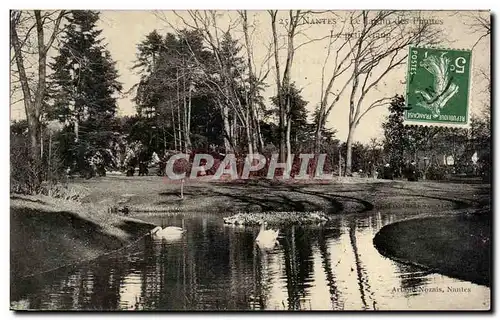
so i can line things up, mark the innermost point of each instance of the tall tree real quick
(225, 74)
(255, 79)
(293, 26)
(283, 84)
(24, 44)
(85, 84)
(395, 138)
(375, 56)
(157, 93)
(300, 128)
(341, 64)
(148, 59)
(172, 84)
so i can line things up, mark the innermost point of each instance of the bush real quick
(435, 172)
(61, 191)
(24, 173)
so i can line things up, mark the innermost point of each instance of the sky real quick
(123, 30)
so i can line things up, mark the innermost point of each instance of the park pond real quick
(331, 266)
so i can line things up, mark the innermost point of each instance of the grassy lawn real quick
(458, 246)
(153, 193)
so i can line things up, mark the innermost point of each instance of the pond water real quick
(214, 267)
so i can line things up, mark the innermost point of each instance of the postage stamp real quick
(438, 82)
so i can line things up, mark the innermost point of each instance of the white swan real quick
(267, 238)
(168, 233)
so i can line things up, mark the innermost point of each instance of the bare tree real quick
(479, 24)
(279, 82)
(234, 110)
(253, 79)
(293, 26)
(341, 63)
(34, 88)
(283, 84)
(381, 46)
(218, 76)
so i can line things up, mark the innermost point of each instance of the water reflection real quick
(219, 267)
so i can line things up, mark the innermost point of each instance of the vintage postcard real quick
(250, 160)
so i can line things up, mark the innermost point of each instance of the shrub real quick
(435, 172)
(61, 191)
(26, 175)
(24, 172)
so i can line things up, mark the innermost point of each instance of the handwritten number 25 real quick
(283, 21)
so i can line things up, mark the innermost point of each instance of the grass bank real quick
(47, 233)
(458, 246)
(156, 194)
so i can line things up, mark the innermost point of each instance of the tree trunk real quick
(286, 83)
(34, 105)
(255, 135)
(251, 136)
(41, 143)
(227, 128)
(164, 140)
(340, 160)
(250, 140)
(76, 129)
(42, 71)
(247, 130)
(179, 126)
(282, 130)
(35, 146)
(318, 136)
(174, 129)
(281, 110)
(352, 122)
(187, 122)
(261, 139)
(32, 108)
(50, 157)
(288, 145)
(348, 158)
(234, 132)
(184, 111)
(321, 118)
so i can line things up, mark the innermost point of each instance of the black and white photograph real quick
(250, 160)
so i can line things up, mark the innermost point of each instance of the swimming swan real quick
(267, 238)
(169, 233)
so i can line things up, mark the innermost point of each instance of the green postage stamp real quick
(438, 82)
